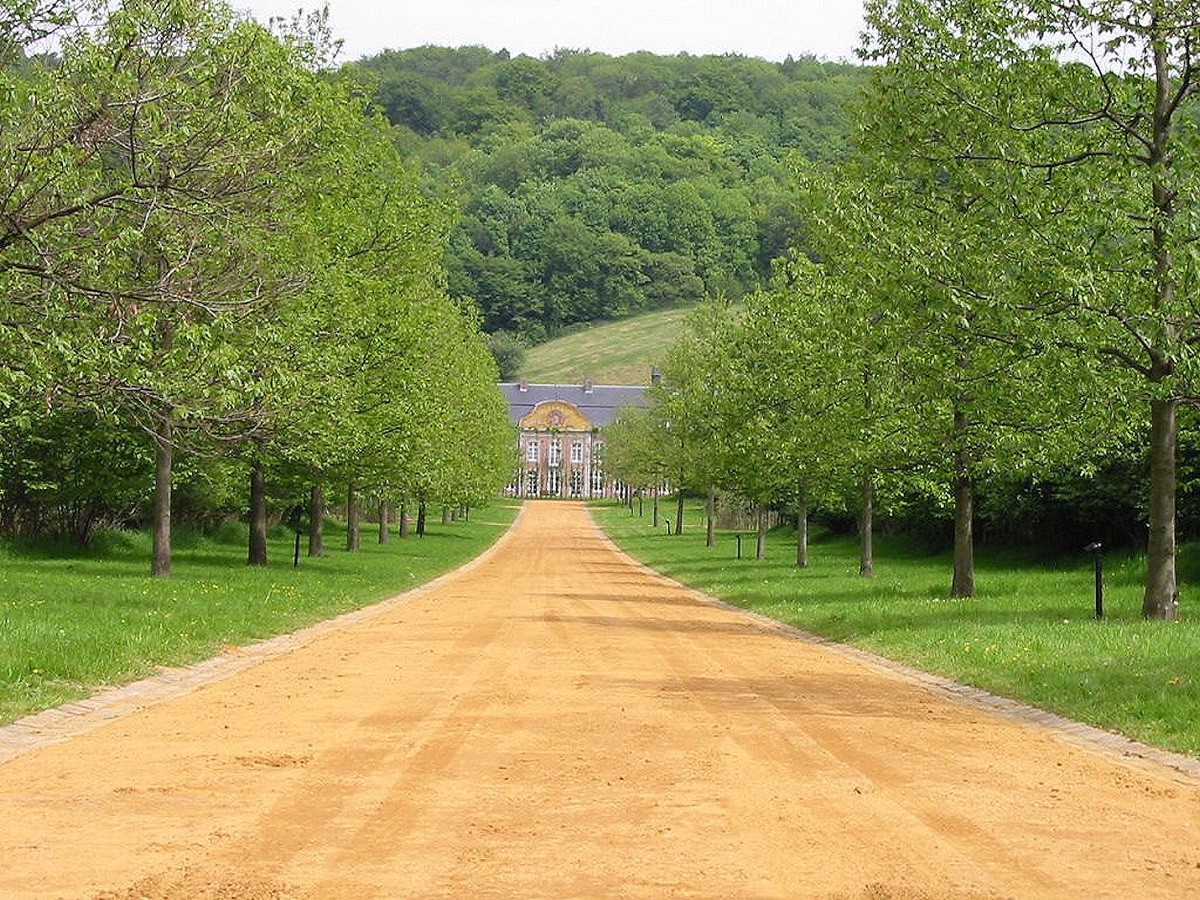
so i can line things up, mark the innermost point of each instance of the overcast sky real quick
(768, 28)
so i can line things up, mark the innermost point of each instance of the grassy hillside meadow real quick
(610, 353)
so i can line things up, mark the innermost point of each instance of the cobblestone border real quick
(1107, 743)
(60, 724)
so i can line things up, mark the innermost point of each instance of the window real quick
(597, 482)
(553, 482)
(577, 452)
(576, 483)
(555, 452)
(531, 483)
(532, 450)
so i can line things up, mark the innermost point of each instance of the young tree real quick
(687, 401)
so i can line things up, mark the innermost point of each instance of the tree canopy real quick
(212, 252)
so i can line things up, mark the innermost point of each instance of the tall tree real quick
(1097, 101)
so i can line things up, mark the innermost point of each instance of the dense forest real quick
(594, 187)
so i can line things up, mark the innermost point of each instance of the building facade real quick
(560, 441)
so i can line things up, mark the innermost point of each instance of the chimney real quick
(656, 375)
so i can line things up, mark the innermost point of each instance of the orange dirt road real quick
(553, 721)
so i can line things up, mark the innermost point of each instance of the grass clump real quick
(1030, 634)
(73, 621)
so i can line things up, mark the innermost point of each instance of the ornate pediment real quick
(556, 415)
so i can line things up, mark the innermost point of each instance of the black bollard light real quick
(1097, 551)
(739, 539)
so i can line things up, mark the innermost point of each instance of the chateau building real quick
(561, 443)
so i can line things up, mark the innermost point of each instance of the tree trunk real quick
(1161, 600)
(802, 533)
(384, 533)
(164, 458)
(421, 518)
(258, 516)
(446, 515)
(316, 524)
(866, 529)
(353, 521)
(403, 519)
(656, 516)
(710, 513)
(679, 509)
(963, 584)
(760, 547)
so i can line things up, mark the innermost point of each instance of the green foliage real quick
(599, 187)
(65, 473)
(211, 245)
(508, 350)
(637, 449)
(1084, 149)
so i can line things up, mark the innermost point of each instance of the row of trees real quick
(596, 187)
(1001, 286)
(212, 254)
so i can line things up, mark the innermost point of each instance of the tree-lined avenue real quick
(556, 721)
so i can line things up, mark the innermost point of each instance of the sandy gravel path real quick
(556, 722)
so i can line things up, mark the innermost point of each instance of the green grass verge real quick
(1030, 634)
(71, 623)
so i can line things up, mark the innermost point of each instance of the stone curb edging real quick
(1089, 737)
(60, 724)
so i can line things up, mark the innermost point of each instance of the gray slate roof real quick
(601, 404)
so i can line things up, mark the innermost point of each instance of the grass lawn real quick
(1030, 634)
(72, 622)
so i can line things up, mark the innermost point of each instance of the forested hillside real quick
(593, 187)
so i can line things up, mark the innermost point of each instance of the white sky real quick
(771, 29)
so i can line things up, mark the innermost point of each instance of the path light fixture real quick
(1097, 550)
(297, 518)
